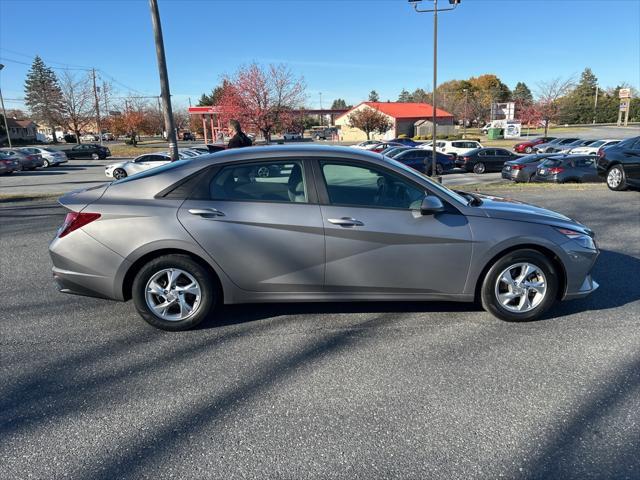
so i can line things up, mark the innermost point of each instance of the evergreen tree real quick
(522, 94)
(43, 95)
(215, 96)
(405, 96)
(339, 104)
(373, 96)
(579, 105)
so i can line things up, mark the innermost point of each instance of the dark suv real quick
(620, 164)
(88, 150)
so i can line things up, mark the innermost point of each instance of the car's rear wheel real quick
(520, 286)
(439, 169)
(528, 150)
(95, 156)
(119, 173)
(616, 178)
(479, 168)
(174, 292)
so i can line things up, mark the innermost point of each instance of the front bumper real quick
(578, 263)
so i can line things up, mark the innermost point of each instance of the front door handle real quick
(206, 212)
(346, 222)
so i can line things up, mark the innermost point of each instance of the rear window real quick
(551, 162)
(153, 171)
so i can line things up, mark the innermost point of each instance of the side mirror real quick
(431, 205)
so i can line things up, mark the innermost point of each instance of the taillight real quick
(556, 170)
(601, 153)
(517, 167)
(76, 220)
(465, 159)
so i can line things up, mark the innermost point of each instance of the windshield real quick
(598, 143)
(434, 185)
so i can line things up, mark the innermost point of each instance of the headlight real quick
(584, 240)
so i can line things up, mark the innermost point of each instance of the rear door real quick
(376, 240)
(266, 233)
(586, 167)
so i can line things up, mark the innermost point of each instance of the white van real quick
(494, 124)
(453, 147)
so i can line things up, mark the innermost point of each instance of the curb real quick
(28, 197)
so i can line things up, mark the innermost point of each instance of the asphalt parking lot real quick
(388, 390)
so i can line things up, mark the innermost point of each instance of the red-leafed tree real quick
(262, 98)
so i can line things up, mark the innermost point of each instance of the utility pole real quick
(106, 102)
(164, 80)
(435, 11)
(95, 94)
(321, 120)
(4, 115)
(595, 106)
(464, 121)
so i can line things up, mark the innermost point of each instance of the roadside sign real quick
(625, 93)
(624, 105)
(512, 130)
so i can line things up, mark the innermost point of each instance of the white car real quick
(49, 156)
(292, 136)
(366, 145)
(453, 147)
(89, 137)
(592, 149)
(143, 162)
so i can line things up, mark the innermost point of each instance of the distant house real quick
(22, 130)
(403, 117)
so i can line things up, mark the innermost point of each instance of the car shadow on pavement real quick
(617, 275)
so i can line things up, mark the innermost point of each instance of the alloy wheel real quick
(521, 287)
(119, 173)
(173, 294)
(614, 178)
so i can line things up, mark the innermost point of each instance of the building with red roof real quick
(404, 118)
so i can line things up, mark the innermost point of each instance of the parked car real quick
(620, 164)
(524, 168)
(483, 160)
(27, 161)
(338, 225)
(394, 150)
(49, 156)
(89, 137)
(88, 150)
(570, 146)
(420, 159)
(592, 148)
(494, 124)
(551, 146)
(292, 136)
(108, 137)
(8, 164)
(209, 147)
(528, 145)
(70, 138)
(141, 163)
(188, 136)
(568, 169)
(406, 141)
(366, 145)
(189, 152)
(384, 145)
(453, 147)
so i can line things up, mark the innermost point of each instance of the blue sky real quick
(341, 48)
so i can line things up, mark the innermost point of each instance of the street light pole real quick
(435, 11)
(4, 113)
(164, 80)
(464, 121)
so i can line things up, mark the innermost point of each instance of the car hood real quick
(509, 209)
(118, 164)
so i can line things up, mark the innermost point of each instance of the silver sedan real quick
(327, 224)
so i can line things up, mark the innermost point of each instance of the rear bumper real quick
(83, 266)
(539, 179)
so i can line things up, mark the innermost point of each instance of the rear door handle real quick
(346, 222)
(206, 212)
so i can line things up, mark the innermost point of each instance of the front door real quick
(378, 242)
(261, 229)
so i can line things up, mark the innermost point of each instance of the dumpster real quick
(494, 133)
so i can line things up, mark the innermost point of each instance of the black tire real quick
(95, 156)
(209, 290)
(479, 168)
(488, 296)
(119, 173)
(528, 150)
(616, 178)
(439, 169)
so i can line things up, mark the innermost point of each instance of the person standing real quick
(238, 137)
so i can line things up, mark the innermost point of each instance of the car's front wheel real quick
(119, 173)
(528, 150)
(45, 163)
(95, 156)
(520, 286)
(174, 292)
(616, 178)
(479, 168)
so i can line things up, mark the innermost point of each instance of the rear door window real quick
(260, 182)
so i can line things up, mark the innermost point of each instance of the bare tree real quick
(549, 95)
(369, 120)
(78, 102)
